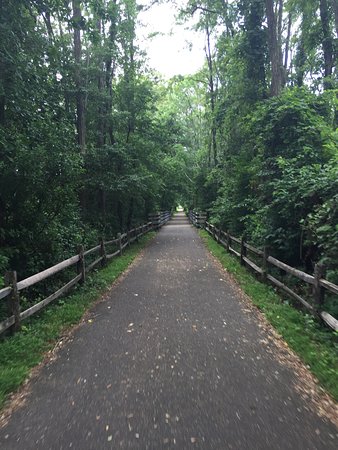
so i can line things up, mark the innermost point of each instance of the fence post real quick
(265, 264)
(103, 253)
(128, 238)
(318, 291)
(243, 251)
(120, 243)
(81, 265)
(202, 219)
(228, 241)
(219, 235)
(13, 300)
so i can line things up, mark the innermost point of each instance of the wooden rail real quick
(317, 281)
(158, 219)
(30, 281)
(197, 218)
(11, 292)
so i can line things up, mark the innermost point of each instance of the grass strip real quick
(315, 345)
(24, 350)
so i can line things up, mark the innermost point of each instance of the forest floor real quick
(176, 356)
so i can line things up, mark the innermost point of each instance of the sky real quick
(174, 50)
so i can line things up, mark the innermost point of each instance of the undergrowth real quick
(24, 350)
(315, 345)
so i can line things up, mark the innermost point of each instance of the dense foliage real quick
(84, 149)
(269, 164)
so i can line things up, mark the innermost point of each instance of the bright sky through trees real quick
(171, 49)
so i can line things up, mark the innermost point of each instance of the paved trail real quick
(172, 360)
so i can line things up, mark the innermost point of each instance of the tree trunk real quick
(110, 69)
(2, 97)
(287, 44)
(130, 213)
(279, 41)
(335, 10)
(119, 212)
(274, 50)
(103, 204)
(46, 19)
(212, 96)
(280, 23)
(300, 62)
(230, 31)
(80, 102)
(327, 43)
(2, 79)
(64, 83)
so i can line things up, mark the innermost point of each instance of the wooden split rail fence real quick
(12, 291)
(198, 218)
(159, 219)
(317, 281)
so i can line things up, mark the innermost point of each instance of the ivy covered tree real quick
(276, 115)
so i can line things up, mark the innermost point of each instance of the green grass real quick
(24, 350)
(315, 345)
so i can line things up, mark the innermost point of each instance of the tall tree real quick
(274, 49)
(335, 10)
(327, 43)
(212, 95)
(254, 48)
(80, 97)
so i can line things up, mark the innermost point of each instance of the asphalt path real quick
(172, 359)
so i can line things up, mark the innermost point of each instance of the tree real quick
(80, 103)
(275, 52)
(254, 49)
(327, 43)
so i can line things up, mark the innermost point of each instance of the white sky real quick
(176, 50)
